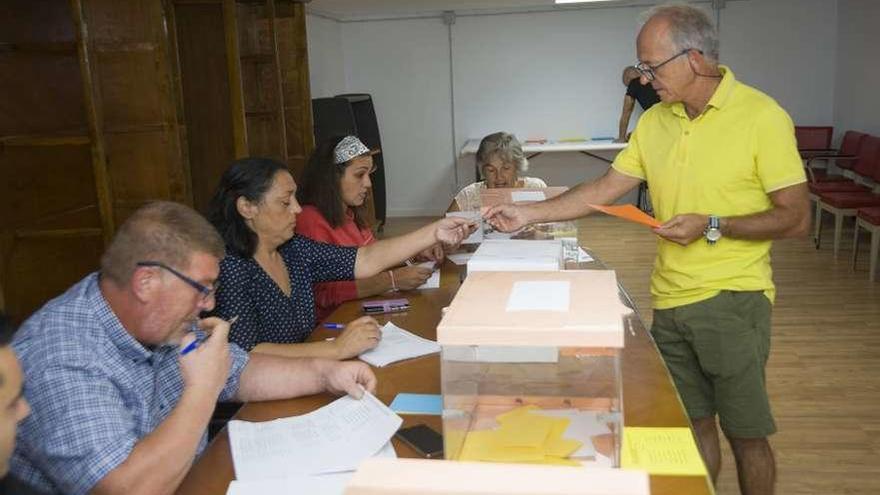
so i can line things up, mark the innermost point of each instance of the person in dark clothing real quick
(635, 92)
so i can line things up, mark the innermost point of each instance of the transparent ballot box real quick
(530, 368)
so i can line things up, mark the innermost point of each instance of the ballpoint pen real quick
(198, 341)
(334, 326)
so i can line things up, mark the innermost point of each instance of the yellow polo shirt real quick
(724, 163)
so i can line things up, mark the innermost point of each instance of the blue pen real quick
(334, 326)
(198, 341)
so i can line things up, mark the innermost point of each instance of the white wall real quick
(856, 104)
(326, 62)
(786, 48)
(551, 74)
(404, 65)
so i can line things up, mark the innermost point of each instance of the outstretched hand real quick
(506, 217)
(451, 231)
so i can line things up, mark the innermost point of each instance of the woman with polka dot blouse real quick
(332, 195)
(267, 275)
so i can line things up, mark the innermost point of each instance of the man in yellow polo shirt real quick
(726, 179)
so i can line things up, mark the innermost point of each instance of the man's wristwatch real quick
(713, 230)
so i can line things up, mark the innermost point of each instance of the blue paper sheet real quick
(417, 404)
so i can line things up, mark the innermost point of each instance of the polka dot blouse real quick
(265, 313)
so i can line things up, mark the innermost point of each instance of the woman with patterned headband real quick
(333, 190)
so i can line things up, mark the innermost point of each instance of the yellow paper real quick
(527, 430)
(561, 447)
(663, 451)
(559, 461)
(503, 453)
(513, 413)
(477, 445)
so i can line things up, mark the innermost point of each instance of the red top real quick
(312, 224)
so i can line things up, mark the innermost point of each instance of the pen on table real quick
(195, 343)
(334, 326)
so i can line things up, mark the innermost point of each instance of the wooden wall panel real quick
(48, 94)
(134, 69)
(264, 138)
(33, 277)
(139, 168)
(205, 88)
(131, 89)
(296, 94)
(36, 21)
(112, 22)
(47, 187)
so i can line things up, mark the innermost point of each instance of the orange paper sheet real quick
(628, 212)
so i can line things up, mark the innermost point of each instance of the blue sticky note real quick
(417, 404)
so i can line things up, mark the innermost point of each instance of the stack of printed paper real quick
(396, 345)
(333, 439)
(517, 256)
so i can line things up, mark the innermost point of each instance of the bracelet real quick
(393, 284)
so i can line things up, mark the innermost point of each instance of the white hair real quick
(690, 27)
(505, 147)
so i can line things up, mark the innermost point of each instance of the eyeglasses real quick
(205, 291)
(649, 71)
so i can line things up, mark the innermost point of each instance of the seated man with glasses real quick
(726, 179)
(122, 374)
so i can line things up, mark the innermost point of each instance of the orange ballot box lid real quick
(502, 195)
(407, 476)
(561, 309)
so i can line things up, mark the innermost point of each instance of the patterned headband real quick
(350, 147)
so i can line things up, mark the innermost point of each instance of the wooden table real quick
(649, 397)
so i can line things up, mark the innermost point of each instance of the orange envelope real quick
(628, 212)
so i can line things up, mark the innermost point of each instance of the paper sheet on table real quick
(663, 451)
(317, 484)
(516, 196)
(396, 345)
(459, 258)
(334, 438)
(477, 236)
(433, 281)
(628, 212)
(539, 296)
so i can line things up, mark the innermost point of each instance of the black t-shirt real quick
(645, 95)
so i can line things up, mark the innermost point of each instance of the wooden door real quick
(55, 216)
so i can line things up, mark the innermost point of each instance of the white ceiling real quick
(357, 9)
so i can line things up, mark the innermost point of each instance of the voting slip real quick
(334, 438)
(313, 484)
(396, 345)
(433, 281)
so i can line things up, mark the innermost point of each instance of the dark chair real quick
(812, 140)
(847, 203)
(843, 159)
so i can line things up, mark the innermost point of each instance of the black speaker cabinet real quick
(354, 114)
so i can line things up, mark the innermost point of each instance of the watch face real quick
(713, 235)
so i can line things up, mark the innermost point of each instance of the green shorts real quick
(716, 351)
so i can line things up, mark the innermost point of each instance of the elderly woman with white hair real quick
(500, 160)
